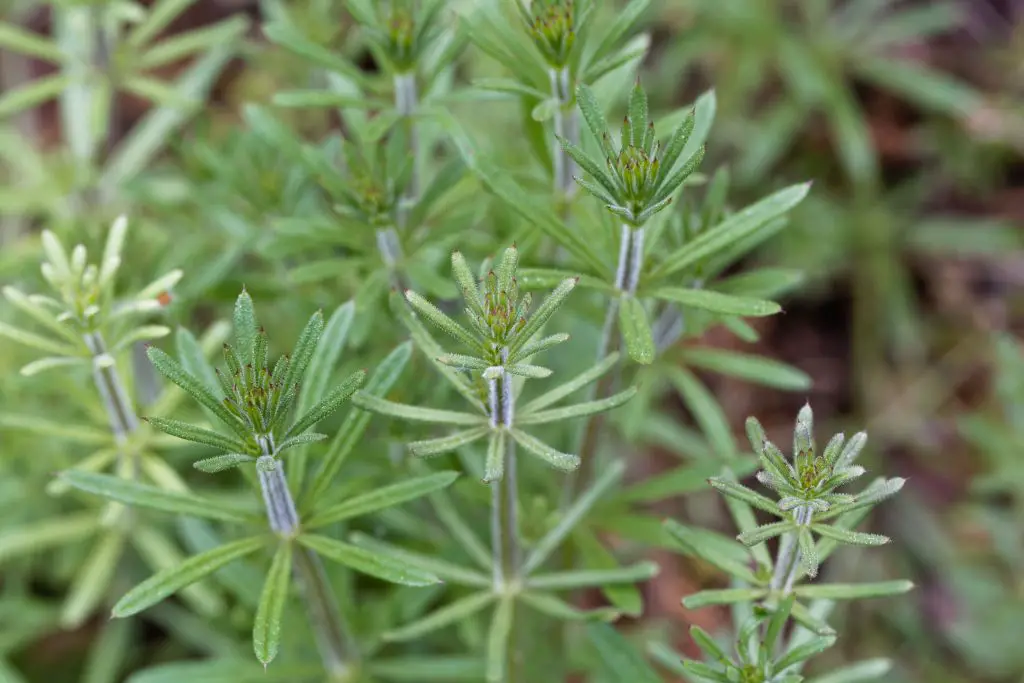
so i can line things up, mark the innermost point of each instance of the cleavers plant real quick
(364, 164)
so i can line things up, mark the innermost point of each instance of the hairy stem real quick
(566, 126)
(505, 510)
(390, 248)
(406, 101)
(787, 564)
(332, 637)
(116, 403)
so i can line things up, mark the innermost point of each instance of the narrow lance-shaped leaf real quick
(568, 521)
(498, 640)
(266, 628)
(847, 536)
(245, 326)
(618, 657)
(367, 562)
(543, 313)
(351, 431)
(578, 410)
(382, 498)
(742, 493)
(173, 371)
(454, 612)
(716, 302)
(562, 461)
(448, 571)
(222, 462)
(416, 413)
(184, 430)
(636, 330)
(305, 347)
(494, 466)
(330, 403)
(143, 495)
(852, 591)
(173, 579)
(441, 320)
(447, 444)
(724, 596)
(572, 386)
(588, 578)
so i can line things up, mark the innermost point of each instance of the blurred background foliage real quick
(908, 115)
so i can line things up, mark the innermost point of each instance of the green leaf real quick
(351, 432)
(536, 320)
(852, 591)
(723, 553)
(705, 409)
(734, 228)
(83, 434)
(548, 604)
(195, 40)
(222, 462)
(717, 302)
(266, 628)
(749, 367)
(569, 519)
(498, 182)
(453, 612)
(608, 190)
(467, 283)
(92, 579)
(325, 356)
(847, 536)
(636, 330)
(497, 640)
(594, 117)
(382, 498)
(441, 320)
(16, 541)
(804, 651)
(742, 493)
(808, 553)
(921, 85)
(618, 658)
(143, 495)
(305, 347)
(448, 571)
(447, 444)
(20, 336)
(377, 565)
(173, 579)
(859, 672)
(173, 371)
(578, 410)
(184, 430)
(289, 38)
(638, 114)
(560, 461)
(158, 17)
(28, 43)
(494, 466)
(589, 578)
(412, 669)
(681, 480)
(572, 386)
(416, 413)
(724, 596)
(765, 532)
(33, 93)
(330, 403)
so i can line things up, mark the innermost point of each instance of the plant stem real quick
(505, 510)
(406, 101)
(118, 406)
(787, 564)
(332, 636)
(566, 126)
(390, 248)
